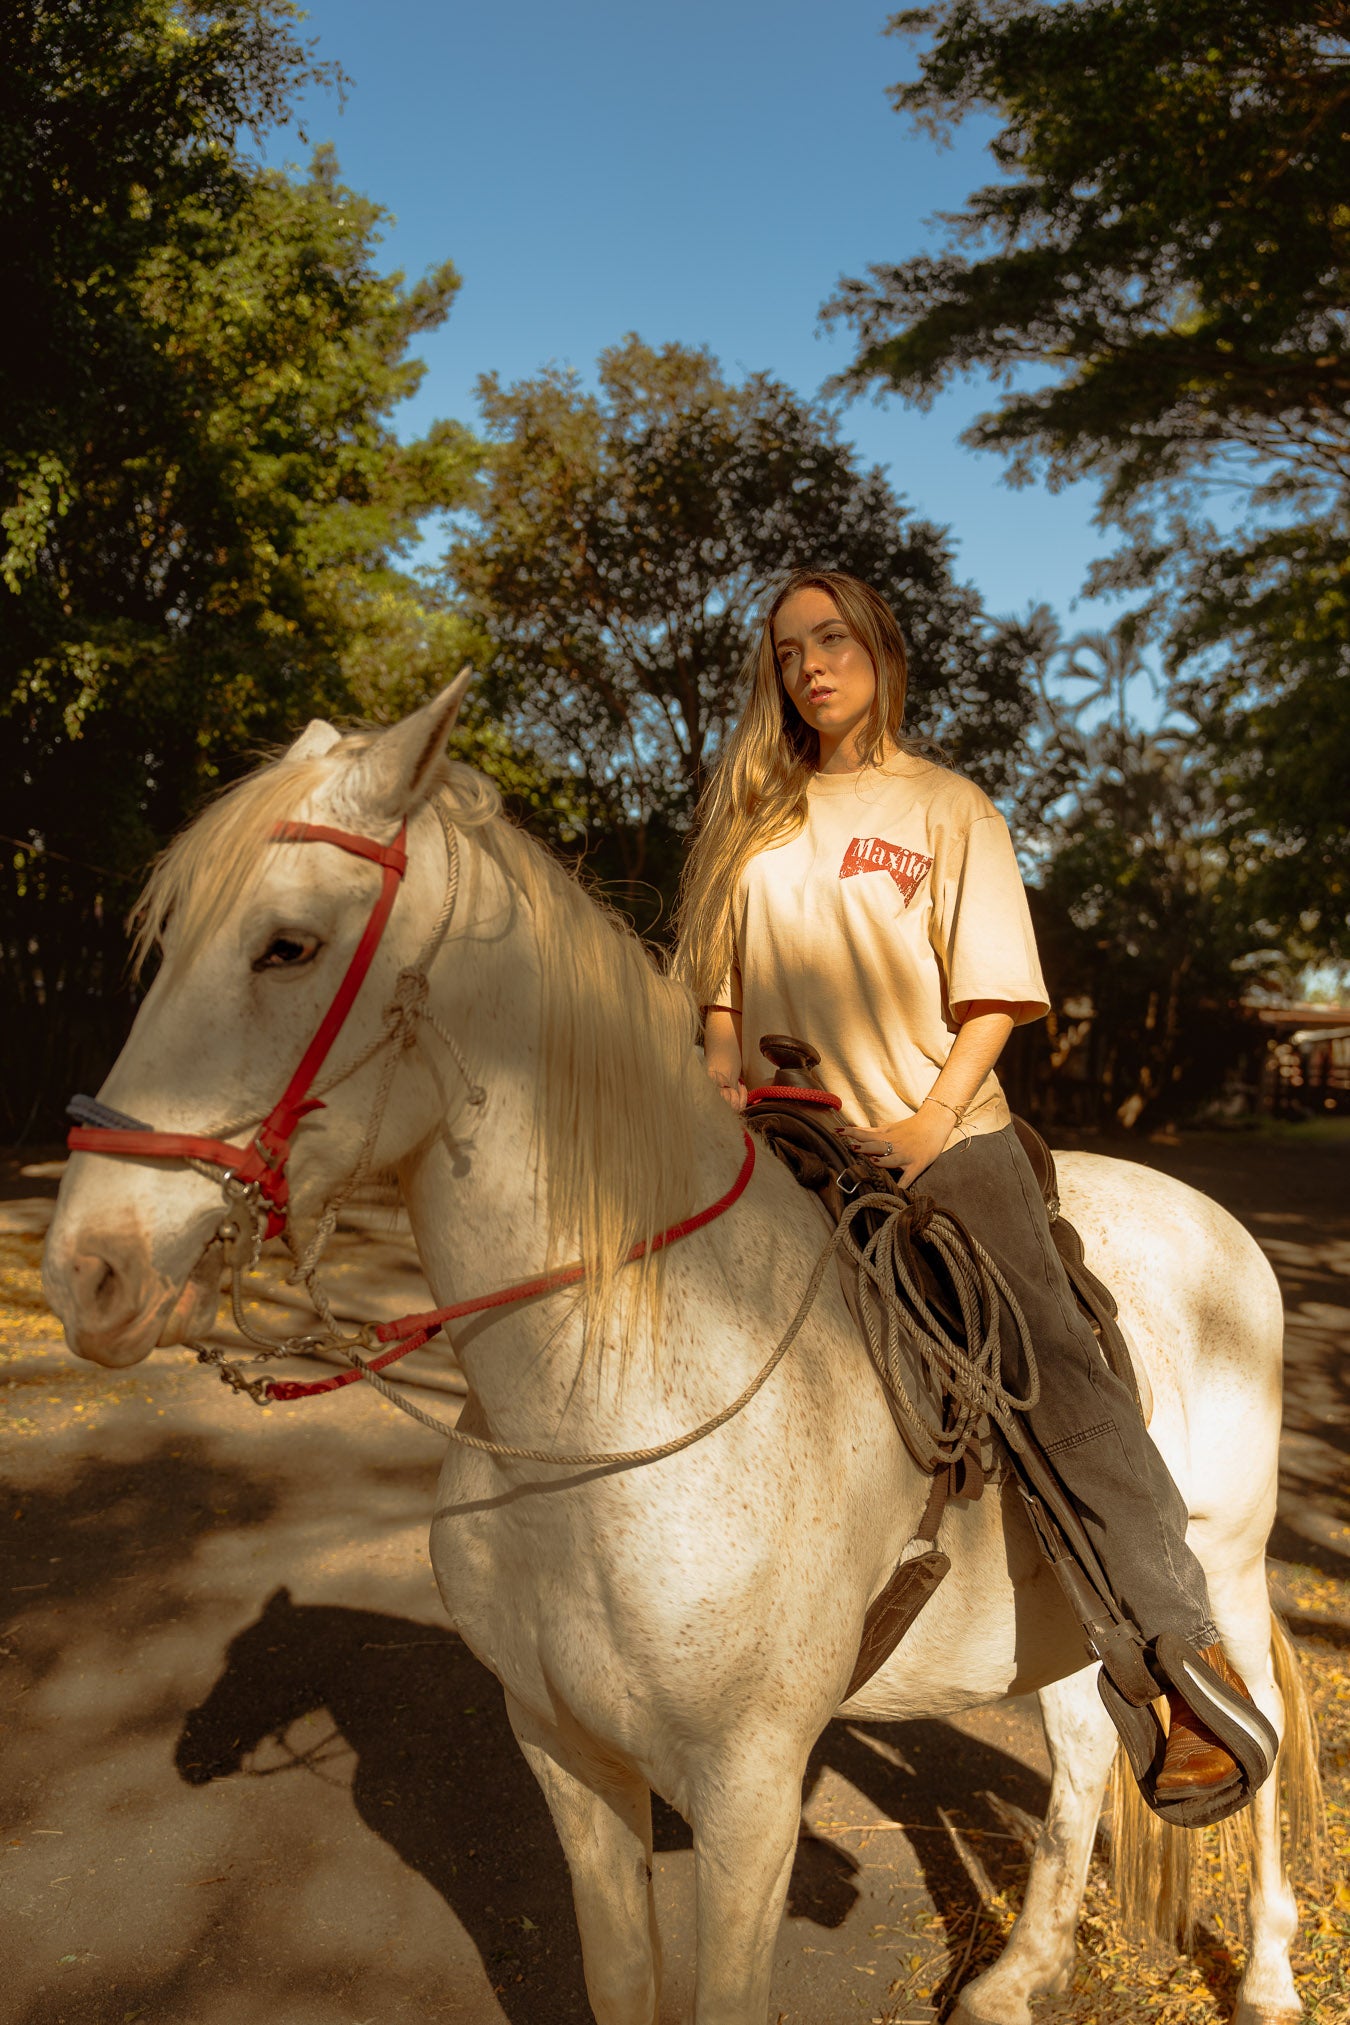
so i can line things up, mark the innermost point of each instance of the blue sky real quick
(697, 172)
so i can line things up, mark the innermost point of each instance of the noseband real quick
(261, 1165)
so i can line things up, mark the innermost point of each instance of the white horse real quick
(687, 1627)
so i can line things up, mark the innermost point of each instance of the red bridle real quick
(263, 1160)
(261, 1165)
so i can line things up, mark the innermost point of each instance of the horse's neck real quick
(479, 1226)
(476, 1191)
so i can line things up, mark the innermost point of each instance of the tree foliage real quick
(1157, 283)
(1170, 234)
(621, 543)
(204, 498)
(1148, 915)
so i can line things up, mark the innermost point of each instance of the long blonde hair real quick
(757, 795)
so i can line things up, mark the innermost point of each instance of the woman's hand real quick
(731, 1087)
(906, 1147)
(722, 1055)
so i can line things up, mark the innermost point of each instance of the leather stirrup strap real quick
(912, 1582)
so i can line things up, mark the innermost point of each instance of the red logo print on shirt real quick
(874, 854)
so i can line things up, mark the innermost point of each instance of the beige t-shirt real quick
(897, 904)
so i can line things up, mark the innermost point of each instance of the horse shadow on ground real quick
(438, 1777)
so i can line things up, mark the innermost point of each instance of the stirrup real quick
(1133, 1675)
(1237, 1723)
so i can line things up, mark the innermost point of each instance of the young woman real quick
(842, 888)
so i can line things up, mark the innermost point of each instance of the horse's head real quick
(271, 1679)
(257, 936)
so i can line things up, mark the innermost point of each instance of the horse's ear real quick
(317, 738)
(396, 770)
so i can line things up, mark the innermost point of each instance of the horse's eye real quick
(287, 952)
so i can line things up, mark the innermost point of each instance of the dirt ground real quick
(250, 1774)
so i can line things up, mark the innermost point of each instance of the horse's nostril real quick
(101, 1288)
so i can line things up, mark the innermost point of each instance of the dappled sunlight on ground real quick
(251, 1774)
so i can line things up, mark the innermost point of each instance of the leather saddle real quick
(1132, 1673)
(802, 1134)
(801, 1131)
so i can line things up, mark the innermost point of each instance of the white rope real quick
(966, 1372)
(972, 1384)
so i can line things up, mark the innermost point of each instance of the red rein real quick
(410, 1332)
(826, 1097)
(263, 1160)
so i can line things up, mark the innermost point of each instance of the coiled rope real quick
(967, 1376)
(965, 1370)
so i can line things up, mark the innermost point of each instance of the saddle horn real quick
(795, 1060)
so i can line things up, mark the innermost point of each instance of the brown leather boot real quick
(1196, 1762)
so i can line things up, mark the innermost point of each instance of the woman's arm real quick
(985, 1027)
(916, 1142)
(722, 1053)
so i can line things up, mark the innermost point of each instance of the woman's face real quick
(825, 671)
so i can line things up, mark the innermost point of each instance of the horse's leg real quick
(745, 1814)
(1266, 1994)
(1038, 1957)
(603, 1815)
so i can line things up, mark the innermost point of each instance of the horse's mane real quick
(209, 867)
(614, 1119)
(614, 1115)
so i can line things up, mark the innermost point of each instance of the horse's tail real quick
(1152, 1868)
(1301, 1793)
(1153, 1865)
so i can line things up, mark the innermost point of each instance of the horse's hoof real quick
(971, 2010)
(1268, 2014)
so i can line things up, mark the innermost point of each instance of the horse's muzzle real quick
(113, 1304)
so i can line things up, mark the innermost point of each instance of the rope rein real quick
(973, 1383)
(965, 1372)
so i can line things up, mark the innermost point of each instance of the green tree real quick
(204, 498)
(1157, 283)
(621, 543)
(1145, 904)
